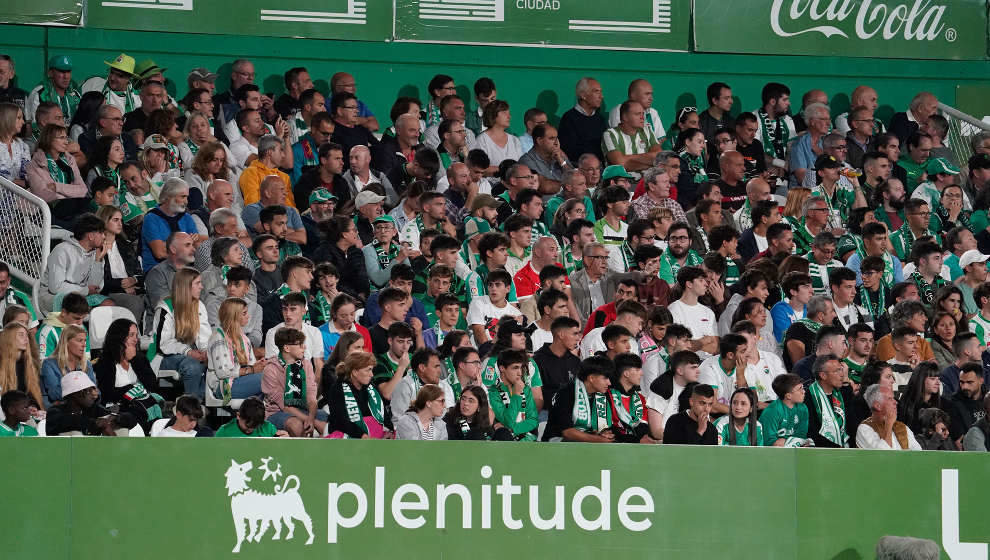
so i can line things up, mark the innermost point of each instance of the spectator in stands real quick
(273, 193)
(360, 175)
(631, 143)
(826, 409)
(53, 175)
(250, 422)
(155, 160)
(72, 311)
(221, 221)
(922, 107)
(305, 150)
(511, 399)
(433, 216)
(582, 126)
(689, 312)
(859, 339)
(740, 426)
(923, 391)
(75, 265)
(271, 156)
(169, 217)
(753, 240)
(348, 131)
(210, 165)
(557, 361)
(469, 418)
(233, 372)
(126, 378)
(10, 296)
(424, 418)
(58, 89)
(238, 285)
(326, 176)
(394, 359)
(453, 142)
(342, 82)
(495, 140)
(401, 277)
(158, 280)
(977, 438)
(289, 386)
(425, 369)
(573, 186)
(357, 409)
(690, 145)
(181, 331)
(785, 421)
(105, 160)
(79, 411)
(188, 414)
(109, 123)
(882, 430)
(18, 365)
(799, 337)
(121, 269)
(693, 426)
(485, 310)
(630, 417)
(15, 406)
(629, 314)
(70, 355)
(340, 248)
(251, 129)
(967, 403)
(447, 311)
(325, 279)
(152, 97)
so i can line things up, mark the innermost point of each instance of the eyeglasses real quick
(597, 257)
(472, 362)
(842, 147)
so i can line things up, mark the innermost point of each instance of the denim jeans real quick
(192, 372)
(246, 386)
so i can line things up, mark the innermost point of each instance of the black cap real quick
(826, 161)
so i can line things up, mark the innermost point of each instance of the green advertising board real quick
(629, 24)
(41, 12)
(924, 29)
(93, 498)
(369, 20)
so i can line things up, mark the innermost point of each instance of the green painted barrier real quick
(41, 12)
(94, 498)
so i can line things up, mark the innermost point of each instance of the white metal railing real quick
(962, 128)
(25, 234)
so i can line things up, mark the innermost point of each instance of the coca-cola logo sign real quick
(864, 19)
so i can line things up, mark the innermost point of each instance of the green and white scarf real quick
(813, 326)
(68, 102)
(126, 95)
(192, 146)
(322, 307)
(876, 310)
(60, 173)
(294, 393)
(629, 418)
(420, 226)
(386, 253)
(926, 291)
(695, 167)
(833, 414)
(581, 415)
(375, 404)
(775, 134)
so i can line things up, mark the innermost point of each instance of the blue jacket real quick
(51, 381)
(373, 313)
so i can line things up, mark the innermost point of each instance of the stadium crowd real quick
(772, 277)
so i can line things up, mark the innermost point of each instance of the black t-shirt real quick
(286, 105)
(798, 331)
(561, 410)
(135, 120)
(379, 339)
(963, 414)
(350, 136)
(555, 371)
(733, 196)
(267, 282)
(683, 429)
(755, 158)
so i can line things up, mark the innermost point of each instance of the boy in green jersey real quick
(785, 421)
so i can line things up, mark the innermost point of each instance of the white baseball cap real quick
(970, 257)
(367, 197)
(75, 381)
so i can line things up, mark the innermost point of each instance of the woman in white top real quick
(125, 377)
(424, 419)
(495, 141)
(181, 331)
(120, 264)
(205, 159)
(154, 157)
(14, 153)
(233, 371)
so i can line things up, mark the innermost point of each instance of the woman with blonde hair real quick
(197, 136)
(18, 369)
(233, 372)
(69, 355)
(182, 331)
(357, 409)
(424, 418)
(14, 152)
(795, 200)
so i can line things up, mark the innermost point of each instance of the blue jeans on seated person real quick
(192, 372)
(281, 416)
(246, 386)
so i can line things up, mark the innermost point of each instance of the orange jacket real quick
(254, 174)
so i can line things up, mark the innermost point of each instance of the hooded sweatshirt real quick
(50, 332)
(70, 269)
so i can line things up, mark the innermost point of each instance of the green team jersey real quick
(903, 239)
(17, 297)
(780, 421)
(551, 206)
(802, 236)
(489, 373)
(819, 273)
(914, 173)
(608, 236)
(669, 267)
(232, 429)
(458, 286)
(731, 272)
(723, 427)
(980, 326)
(430, 306)
(572, 265)
(855, 370)
(48, 336)
(516, 412)
(385, 368)
(477, 285)
(22, 430)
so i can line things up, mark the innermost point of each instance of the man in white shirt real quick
(641, 91)
(725, 372)
(882, 430)
(666, 389)
(629, 314)
(425, 368)
(695, 316)
(293, 309)
(842, 284)
(485, 311)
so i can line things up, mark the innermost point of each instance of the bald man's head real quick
(732, 166)
(757, 189)
(864, 96)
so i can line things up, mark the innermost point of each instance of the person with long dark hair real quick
(470, 418)
(340, 248)
(857, 410)
(740, 426)
(125, 377)
(922, 391)
(943, 329)
(691, 147)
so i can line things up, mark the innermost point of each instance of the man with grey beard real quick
(158, 280)
(169, 217)
(321, 207)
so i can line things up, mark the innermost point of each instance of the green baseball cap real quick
(60, 62)
(614, 171)
(321, 195)
(384, 218)
(941, 165)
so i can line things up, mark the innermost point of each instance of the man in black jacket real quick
(78, 411)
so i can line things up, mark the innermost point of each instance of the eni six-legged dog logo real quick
(255, 511)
